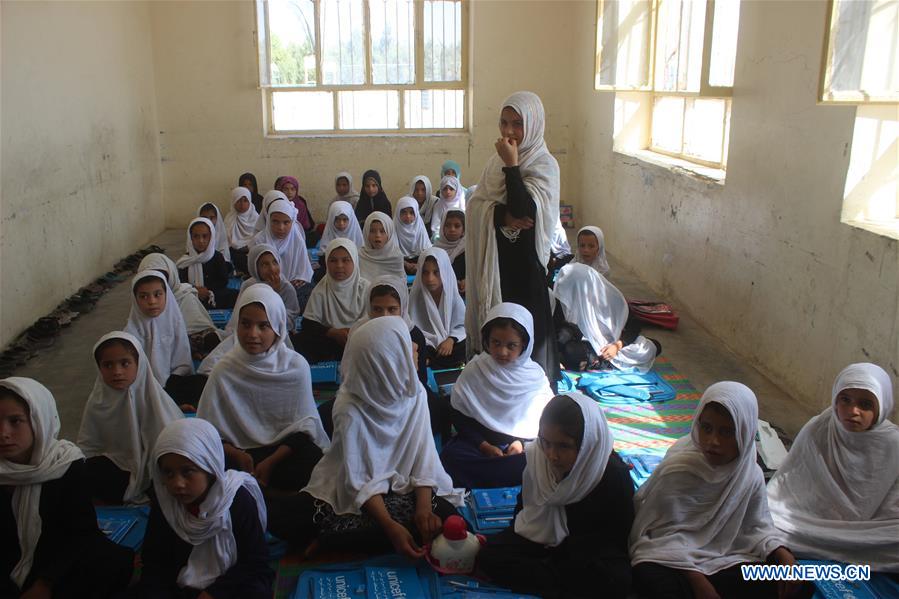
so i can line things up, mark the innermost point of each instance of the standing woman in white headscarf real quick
(704, 512)
(574, 513)
(50, 544)
(381, 483)
(511, 218)
(206, 533)
(836, 496)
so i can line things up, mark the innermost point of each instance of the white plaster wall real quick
(763, 261)
(211, 118)
(80, 156)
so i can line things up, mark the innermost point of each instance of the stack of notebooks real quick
(489, 511)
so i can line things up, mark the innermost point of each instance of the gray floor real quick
(68, 369)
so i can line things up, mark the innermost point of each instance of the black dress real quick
(522, 276)
(215, 278)
(592, 561)
(469, 468)
(314, 343)
(164, 553)
(72, 555)
(367, 205)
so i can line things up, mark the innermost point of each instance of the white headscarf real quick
(599, 263)
(437, 321)
(50, 460)
(560, 245)
(426, 210)
(285, 291)
(506, 399)
(382, 430)
(210, 532)
(386, 261)
(836, 496)
(352, 232)
(267, 199)
(412, 238)
(339, 304)
(540, 173)
(193, 261)
(257, 400)
(600, 311)
(542, 518)
(443, 205)
(352, 196)
(292, 249)
(124, 425)
(691, 515)
(196, 317)
(164, 337)
(219, 231)
(240, 227)
(453, 248)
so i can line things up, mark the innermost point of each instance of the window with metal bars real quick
(363, 66)
(683, 53)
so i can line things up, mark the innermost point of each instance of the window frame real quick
(825, 94)
(706, 91)
(268, 89)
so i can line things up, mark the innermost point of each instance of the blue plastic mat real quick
(124, 525)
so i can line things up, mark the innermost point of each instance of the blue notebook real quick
(387, 583)
(116, 527)
(494, 501)
(325, 372)
(220, 317)
(124, 525)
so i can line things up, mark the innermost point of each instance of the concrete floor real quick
(69, 371)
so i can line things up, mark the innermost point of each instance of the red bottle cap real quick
(454, 528)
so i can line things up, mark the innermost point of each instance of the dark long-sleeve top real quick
(629, 333)
(599, 524)
(472, 431)
(68, 527)
(165, 553)
(366, 205)
(459, 267)
(215, 272)
(313, 342)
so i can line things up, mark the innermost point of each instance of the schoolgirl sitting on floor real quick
(497, 403)
(335, 305)
(259, 398)
(381, 483)
(126, 411)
